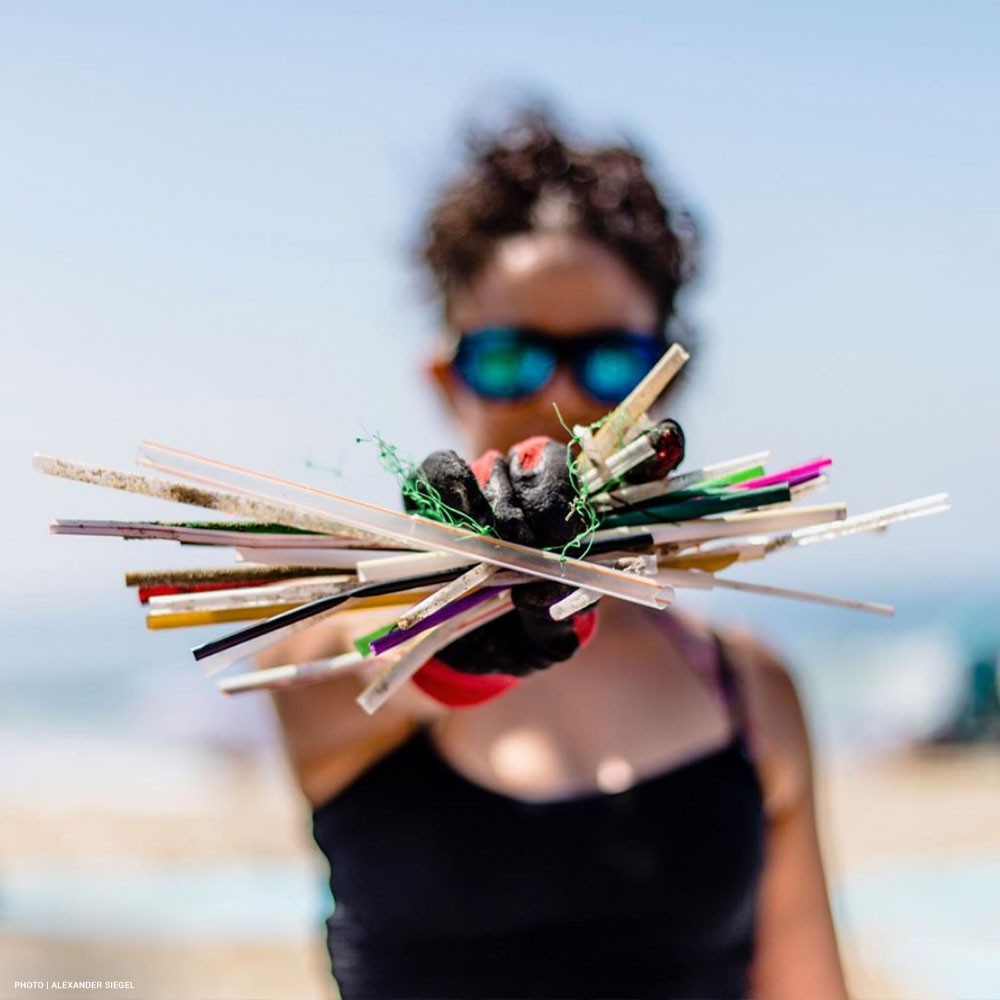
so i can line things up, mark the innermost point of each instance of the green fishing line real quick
(424, 497)
(581, 502)
(332, 469)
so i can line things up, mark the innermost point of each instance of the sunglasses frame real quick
(572, 349)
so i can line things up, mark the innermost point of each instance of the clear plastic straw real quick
(875, 520)
(736, 525)
(288, 592)
(707, 581)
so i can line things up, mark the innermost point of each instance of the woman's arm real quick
(796, 949)
(329, 738)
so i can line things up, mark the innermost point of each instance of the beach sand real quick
(924, 811)
(916, 807)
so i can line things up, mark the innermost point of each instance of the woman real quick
(636, 820)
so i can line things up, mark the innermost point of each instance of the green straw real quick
(701, 506)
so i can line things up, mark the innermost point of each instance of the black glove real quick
(528, 498)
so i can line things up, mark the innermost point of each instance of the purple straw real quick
(394, 638)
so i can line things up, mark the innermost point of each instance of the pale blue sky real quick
(207, 208)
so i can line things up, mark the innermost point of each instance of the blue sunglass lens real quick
(501, 364)
(611, 370)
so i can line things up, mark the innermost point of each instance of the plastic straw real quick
(415, 656)
(797, 474)
(398, 636)
(293, 674)
(209, 651)
(615, 431)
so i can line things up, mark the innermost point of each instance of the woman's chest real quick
(626, 707)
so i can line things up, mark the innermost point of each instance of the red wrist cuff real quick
(457, 689)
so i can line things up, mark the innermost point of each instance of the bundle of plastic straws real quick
(305, 554)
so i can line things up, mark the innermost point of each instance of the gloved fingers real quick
(537, 598)
(455, 483)
(539, 476)
(511, 523)
(555, 641)
(504, 645)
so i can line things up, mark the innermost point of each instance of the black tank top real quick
(444, 889)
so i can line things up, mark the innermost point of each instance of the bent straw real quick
(407, 528)
(415, 656)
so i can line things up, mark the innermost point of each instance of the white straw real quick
(573, 604)
(293, 674)
(707, 528)
(459, 587)
(382, 567)
(286, 592)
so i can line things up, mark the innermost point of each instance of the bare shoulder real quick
(777, 727)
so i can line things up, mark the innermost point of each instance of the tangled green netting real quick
(424, 498)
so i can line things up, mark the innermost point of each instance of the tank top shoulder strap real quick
(732, 692)
(711, 660)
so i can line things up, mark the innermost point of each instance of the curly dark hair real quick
(527, 171)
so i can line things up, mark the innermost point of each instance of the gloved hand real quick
(526, 497)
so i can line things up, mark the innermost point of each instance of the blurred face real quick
(557, 283)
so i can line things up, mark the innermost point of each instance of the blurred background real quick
(208, 216)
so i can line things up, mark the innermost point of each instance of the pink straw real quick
(793, 476)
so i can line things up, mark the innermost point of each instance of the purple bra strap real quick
(711, 662)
